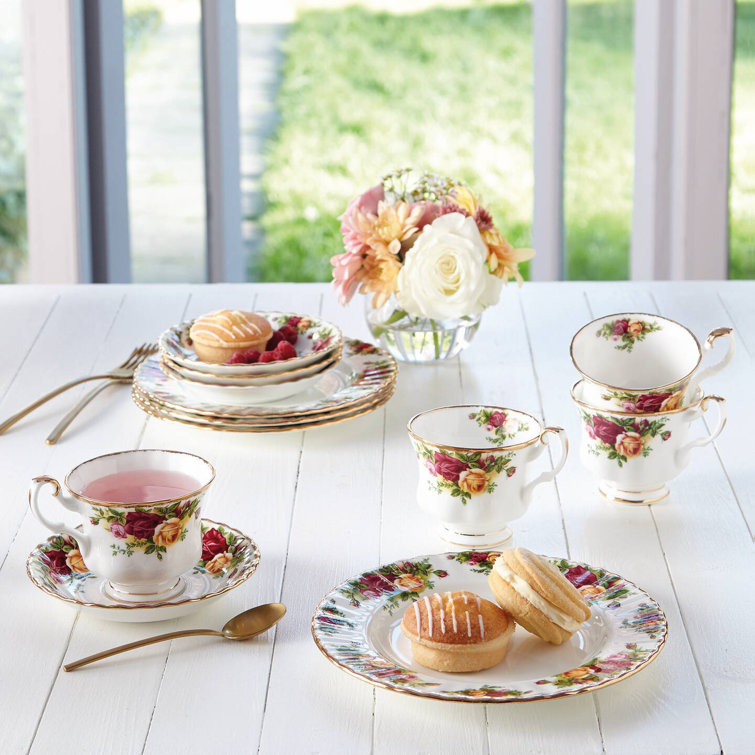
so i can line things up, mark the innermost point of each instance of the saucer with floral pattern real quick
(229, 558)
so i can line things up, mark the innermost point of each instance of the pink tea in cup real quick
(140, 486)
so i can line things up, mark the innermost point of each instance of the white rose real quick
(444, 273)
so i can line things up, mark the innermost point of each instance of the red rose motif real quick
(448, 467)
(118, 530)
(497, 692)
(375, 584)
(441, 574)
(666, 434)
(142, 524)
(497, 419)
(620, 327)
(57, 562)
(651, 402)
(613, 663)
(579, 576)
(511, 471)
(478, 557)
(606, 430)
(641, 426)
(213, 542)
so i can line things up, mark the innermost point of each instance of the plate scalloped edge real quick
(342, 639)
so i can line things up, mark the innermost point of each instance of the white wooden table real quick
(329, 503)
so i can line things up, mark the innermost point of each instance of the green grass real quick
(742, 189)
(450, 90)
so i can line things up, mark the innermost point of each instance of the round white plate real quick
(363, 372)
(357, 627)
(318, 338)
(86, 591)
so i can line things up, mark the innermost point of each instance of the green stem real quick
(436, 339)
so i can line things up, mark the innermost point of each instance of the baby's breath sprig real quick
(408, 185)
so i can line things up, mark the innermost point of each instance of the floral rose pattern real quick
(500, 426)
(145, 529)
(480, 562)
(464, 475)
(644, 403)
(626, 332)
(622, 438)
(401, 582)
(341, 627)
(221, 550)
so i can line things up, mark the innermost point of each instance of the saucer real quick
(357, 627)
(235, 559)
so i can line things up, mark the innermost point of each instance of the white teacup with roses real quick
(473, 463)
(141, 548)
(633, 455)
(642, 363)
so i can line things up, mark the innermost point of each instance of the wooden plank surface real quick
(329, 503)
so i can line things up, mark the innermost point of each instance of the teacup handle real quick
(57, 527)
(710, 341)
(528, 489)
(683, 453)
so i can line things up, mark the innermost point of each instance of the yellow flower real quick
(590, 591)
(75, 562)
(218, 563)
(392, 232)
(503, 259)
(464, 197)
(672, 402)
(473, 480)
(409, 582)
(577, 673)
(167, 532)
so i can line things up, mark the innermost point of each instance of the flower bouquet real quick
(431, 257)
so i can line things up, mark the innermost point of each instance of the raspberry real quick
(289, 334)
(275, 339)
(268, 356)
(244, 357)
(285, 350)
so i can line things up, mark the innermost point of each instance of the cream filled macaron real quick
(217, 336)
(457, 631)
(537, 595)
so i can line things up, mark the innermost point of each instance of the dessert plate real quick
(269, 425)
(245, 395)
(356, 626)
(235, 557)
(363, 372)
(318, 338)
(209, 378)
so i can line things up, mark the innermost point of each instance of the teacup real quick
(642, 363)
(634, 455)
(140, 519)
(473, 463)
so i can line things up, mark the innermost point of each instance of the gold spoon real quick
(243, 626)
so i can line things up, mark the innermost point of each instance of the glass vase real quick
(420, 340)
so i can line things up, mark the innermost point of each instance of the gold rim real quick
(311, 419)
(272, 429)
(164, 502)
(497, 700)
(467, 449)
(129, 607)
(316, 368)
(636, 390)
(188, 323)
(643, 502)
(387, 377)
(694, 405)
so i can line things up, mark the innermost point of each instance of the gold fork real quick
(123, 372)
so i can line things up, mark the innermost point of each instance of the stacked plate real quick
(330, 380)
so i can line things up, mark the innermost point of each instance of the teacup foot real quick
(632, 497)
(124, 596)
(475, 542)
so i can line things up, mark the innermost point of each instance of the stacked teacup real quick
(640, 391)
